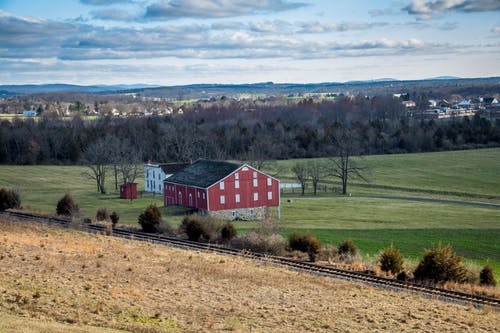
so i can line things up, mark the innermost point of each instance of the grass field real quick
(55, 280)
(372, 223)
(467, 174)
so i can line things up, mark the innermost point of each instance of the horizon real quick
(176, 43)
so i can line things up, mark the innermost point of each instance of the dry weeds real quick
(63, 276)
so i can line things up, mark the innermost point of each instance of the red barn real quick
(222, 189)
(128, 191)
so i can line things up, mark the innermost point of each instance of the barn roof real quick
(203, 173)
(170, 168)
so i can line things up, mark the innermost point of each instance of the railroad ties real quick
(313, 268)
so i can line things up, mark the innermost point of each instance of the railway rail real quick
(328, 271)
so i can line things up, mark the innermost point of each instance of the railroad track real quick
(328, 271)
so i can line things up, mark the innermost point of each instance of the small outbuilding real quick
(128, 191)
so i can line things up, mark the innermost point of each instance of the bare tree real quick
(316, 170)
(343, 166)
(301, 172)
(98, 157)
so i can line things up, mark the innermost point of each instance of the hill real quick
(92, 282)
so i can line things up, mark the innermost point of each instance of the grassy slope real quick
(64, 276)
(371, 223)
(468, 174)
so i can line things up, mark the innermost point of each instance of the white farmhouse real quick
(156, 173)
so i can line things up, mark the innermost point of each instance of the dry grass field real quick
(54, 280)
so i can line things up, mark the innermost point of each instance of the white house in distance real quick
(156, 173)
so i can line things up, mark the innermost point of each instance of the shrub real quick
(9, 199)
(403, 276)
(347, 248)
(67, 206)
(102, 214)
(269, 227)
(267, 244)
(307, 243)
(150, 219)
(227, 232)
(194, 228)
(114, 219)
(440, 264)
(391, 260)
(486, 276)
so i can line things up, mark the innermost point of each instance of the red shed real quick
(226, 190)
(128, 191)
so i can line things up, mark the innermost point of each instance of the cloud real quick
(316, 27)
(426, 9)
(112, 15)
(175, 9)
(27, 38)
(104, 2)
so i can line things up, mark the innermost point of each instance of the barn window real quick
(221, 185)
(251, 211)
(237, 198)
(255, 174)
(255, 196)
(255, 182)
(222, 199)
(269, 181)
(269, 195)
(236, 176)
(203, 194)
(236, 184)
(198, 195)
(233, 214)
(245, 169)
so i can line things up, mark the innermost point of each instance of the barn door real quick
(180, 198)
(190, 200)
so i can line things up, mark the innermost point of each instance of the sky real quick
(177, 42)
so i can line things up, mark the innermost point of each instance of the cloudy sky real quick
(171, 42)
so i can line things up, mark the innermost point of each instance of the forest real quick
(308, 128)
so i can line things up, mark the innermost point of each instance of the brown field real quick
(54, 280)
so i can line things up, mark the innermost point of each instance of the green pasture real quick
(466, 175)
(372, 223)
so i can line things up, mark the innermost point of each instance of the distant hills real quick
(201, 91)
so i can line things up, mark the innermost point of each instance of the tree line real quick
(227, 131)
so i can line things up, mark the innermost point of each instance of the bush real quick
(114, 219)
(440, 264)
(347, 248)
(391, 260)
(9, 199)
(307, 243)
(67, 206)
(486, 276)
(267, 244)
(227, 232)
(150, 219)
(193, 227)
(102, 214)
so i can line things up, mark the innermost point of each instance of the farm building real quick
(226, 190)
(156, 173)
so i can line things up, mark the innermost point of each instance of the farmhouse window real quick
(237, 198)
(269, 195)
(236, 184)
(221, 185)
(222, 199)
(255, 196)
(269, 181)
(255, 182)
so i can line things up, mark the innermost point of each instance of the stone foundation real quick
(243, 214)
